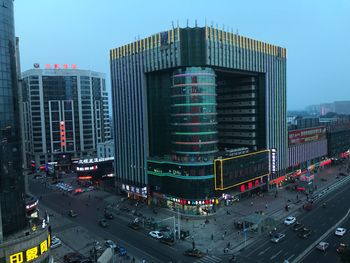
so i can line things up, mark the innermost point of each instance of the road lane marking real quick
(290, 257)
(274, 256)
(262, 252)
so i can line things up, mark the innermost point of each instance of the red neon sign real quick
(85, 177)
(63, 134)
(242, 188)
(250, 185)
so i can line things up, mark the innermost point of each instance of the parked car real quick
(109, 215)
(168, 240)
(156, 234)
(72, 213)
(340, 231)
(55, 242)
(298, 226)
(121, 251)
(322, 246)
(194, 253)
(304, 233)
(290, 220)
(134, 225)
(341, 247)
(276, 238)
(111, 244)
(103, 223)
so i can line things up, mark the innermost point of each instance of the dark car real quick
(109, 215)
(121, 251)
(342, 174)
(341, 247)
(135, 226)
(304, 233)
(72, 213)
(167, 240)
(298, 226)
(103, 223)
(194, 253)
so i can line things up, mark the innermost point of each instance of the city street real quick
(319, 220)
(90, 210)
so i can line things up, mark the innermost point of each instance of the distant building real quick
(105, 149)
(342, 107)
(65, 111)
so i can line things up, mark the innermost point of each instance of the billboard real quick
(302, 136)
(233, 171)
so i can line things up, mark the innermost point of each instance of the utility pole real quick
(178, 220)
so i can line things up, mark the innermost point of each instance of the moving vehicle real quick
(72, 213)
(322, 246)
(290, 220)
(277, 237)
(194, 253)
(341, 247)
(103, 223)
(55, 242)
(340, 231)
(156, 234)
(298, 226)
(111, 244)
(304, 233)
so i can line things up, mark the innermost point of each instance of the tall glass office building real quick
(65, 111)
(182, 98)
(13, 215)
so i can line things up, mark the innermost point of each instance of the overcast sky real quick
(315, 33)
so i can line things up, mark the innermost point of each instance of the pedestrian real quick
(223, 236)
(266, 205)
(228, 244)
(297, 197)
(251, 203)
(212, 237)
(133, 260)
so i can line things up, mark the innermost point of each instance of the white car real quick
(55, 242)
(340, 231)
(156, 234)
(110, 243)
(290, 220)
(322, 246)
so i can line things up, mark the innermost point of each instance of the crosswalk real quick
(208, 259)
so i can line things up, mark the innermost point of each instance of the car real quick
(194, 253)
(277, 237)
(322, 246)
(290, 220)
(111, 244)
(341, 247)
(55, 242)
(156, 234)
(340, 231)
(134, 225)
(304, 233)
(121, 251)
(298, 226)
(167, 240)
(90, 188)
(109, 215)
(72, 213)
(103, 223)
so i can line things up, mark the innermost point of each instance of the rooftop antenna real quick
(172, 24)
(195, 23)
(187, 22)
(177, 23)
(205, 22)
(237, 31)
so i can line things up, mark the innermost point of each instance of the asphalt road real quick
(319, 220)
(137, 242)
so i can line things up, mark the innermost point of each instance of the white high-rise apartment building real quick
(64, 111)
